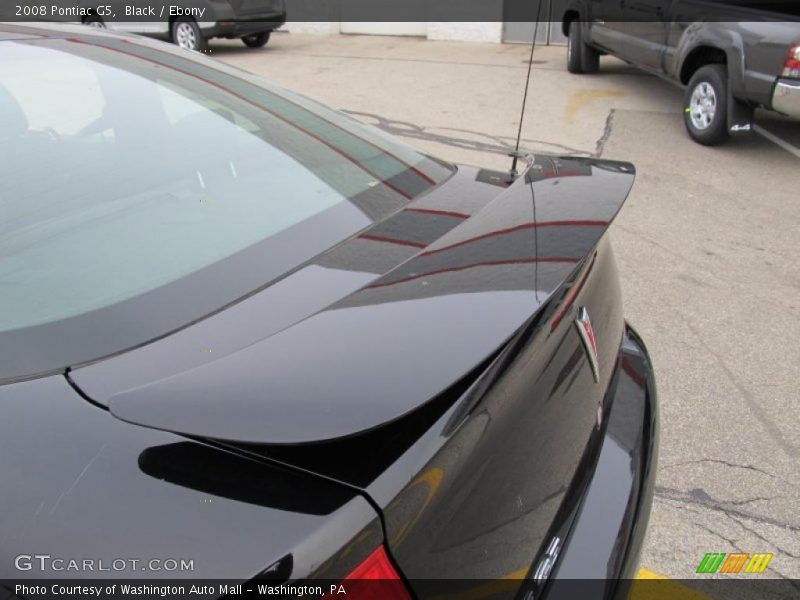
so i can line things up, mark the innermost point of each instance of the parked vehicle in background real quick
(192, 23)
(733, 57)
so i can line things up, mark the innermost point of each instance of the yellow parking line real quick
(581, 98)
(659, 587)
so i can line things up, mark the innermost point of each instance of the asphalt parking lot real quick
(707, 246)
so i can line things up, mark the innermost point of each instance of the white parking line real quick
(777, 141)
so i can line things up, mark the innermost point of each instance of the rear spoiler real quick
(390, 347)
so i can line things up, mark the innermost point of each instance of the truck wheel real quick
(256, 40)
(581, 58)
(706, 105)
(187, 35)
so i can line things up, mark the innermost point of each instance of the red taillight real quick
(375, 566)
(791, 67)
(375, 577)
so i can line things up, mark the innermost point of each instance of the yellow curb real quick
(660, 587)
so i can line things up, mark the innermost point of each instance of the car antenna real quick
(516, 154)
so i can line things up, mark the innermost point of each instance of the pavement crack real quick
(685, 497)
(762, 538)
(727, 464)
(601, 143)
(718, 535)
(748, 501)
(678, 504)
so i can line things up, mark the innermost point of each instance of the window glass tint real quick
(128, 168)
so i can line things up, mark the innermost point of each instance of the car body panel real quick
(598, 520)
(377, 347)
(326, 279)
(786, 97)
(81, 484)
(602, 546)
(519, 437)
(437, 397)
(521, 444)
(646, 31)
(519, 434)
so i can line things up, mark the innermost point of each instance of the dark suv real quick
(191, 23)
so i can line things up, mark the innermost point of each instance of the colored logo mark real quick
(736, 562)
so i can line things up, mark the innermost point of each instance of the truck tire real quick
(581, 58)
(705, 104)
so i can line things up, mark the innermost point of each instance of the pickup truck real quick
(732, 57)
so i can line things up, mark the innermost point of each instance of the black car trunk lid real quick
(452, 295)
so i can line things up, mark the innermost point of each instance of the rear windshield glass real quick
(126, 168)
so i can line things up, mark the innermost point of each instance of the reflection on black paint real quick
(421, 316)
(360, 458)
(278, 571)
(227, 475)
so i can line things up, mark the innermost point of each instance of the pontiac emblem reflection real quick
(584, 325)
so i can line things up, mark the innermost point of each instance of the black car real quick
(189, 23)
(246, 337)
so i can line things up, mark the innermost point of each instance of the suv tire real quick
(256, 40)
(187, 35)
